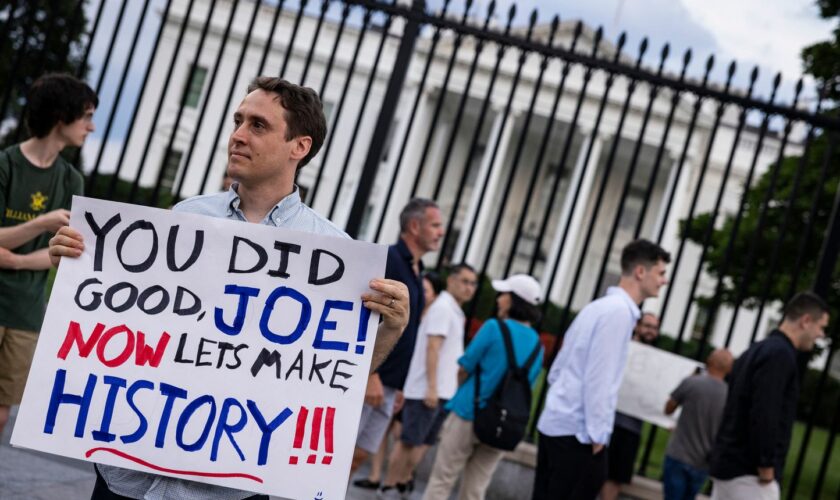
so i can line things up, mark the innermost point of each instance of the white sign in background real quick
(650, 376)
(228, 369)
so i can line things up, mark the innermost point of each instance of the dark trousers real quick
(101, 491)
(567, 469)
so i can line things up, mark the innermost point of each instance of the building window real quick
(170, 166)
(195, 87)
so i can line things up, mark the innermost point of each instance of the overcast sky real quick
(767, 33)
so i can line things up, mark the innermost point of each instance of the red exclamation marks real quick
(328, 435)
(315, 435)
(301, 427)
(318, 416)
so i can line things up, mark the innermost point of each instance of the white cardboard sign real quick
(205, 349)
(650, 376)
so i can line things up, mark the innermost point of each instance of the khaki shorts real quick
(16, 350)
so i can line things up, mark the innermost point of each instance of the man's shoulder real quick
(313, 222)
(204, 204)
(606, 305)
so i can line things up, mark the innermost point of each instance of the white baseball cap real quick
(526, 287)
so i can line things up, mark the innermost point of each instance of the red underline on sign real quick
(172, 471)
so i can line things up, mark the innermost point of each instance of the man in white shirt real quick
(432, 378)
(580, 406)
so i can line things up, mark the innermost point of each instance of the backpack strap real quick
(8, 190)
(526, 367)
(511, 356)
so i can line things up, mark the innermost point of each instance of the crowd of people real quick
(426, 387)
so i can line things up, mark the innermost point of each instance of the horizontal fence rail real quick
(547, 146)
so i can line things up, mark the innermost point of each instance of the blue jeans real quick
(681, 481)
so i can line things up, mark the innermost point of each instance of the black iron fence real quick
(547, 146)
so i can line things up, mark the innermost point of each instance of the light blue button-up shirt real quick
(289, 213)
(586, 374)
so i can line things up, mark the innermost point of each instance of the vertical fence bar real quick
(330, 62)
(217, 66)
(112, 113)
(809, 426)
(325, 6)
(231, 89)
(587, 239)
(104, 72)
(691, 211)
(762, 220)
(523, 55)
(113, 184)
(360, 114)
(433, 124)
(774, 256)
(269, 41)
(145, 150)
(82, 69)
(660, 152)
(686, 145)
(561, 165)
(628, 179)
(291, 45)
(707, 235)
(488, 98)
(595, 128)
(419, 96)
(459, 113)
(730, 245)
(532, 183)
(345, 89)
(383, 122)
(826, 458)
(809, 229)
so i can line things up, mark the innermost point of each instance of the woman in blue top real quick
(458, 449)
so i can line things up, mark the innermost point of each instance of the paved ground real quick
(31, 475)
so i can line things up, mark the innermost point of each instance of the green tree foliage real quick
(37, 37)
(822, 61)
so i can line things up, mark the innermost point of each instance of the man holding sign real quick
(278, 128)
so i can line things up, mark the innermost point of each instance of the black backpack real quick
(501, 424)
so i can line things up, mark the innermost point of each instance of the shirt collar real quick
(405, 253)
(284, 209)
(634, 308)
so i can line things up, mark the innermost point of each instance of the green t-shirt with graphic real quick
(27, 191)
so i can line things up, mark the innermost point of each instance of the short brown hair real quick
(57, 98)
(805, 303)
(642, 252)
(304, 113)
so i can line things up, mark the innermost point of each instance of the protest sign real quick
(205, 349)
(649, 378)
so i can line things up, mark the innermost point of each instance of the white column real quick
(575, 223)
(669, 188)
(399, 196)
(485, 170)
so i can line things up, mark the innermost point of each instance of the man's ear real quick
(639, 271)
(301, 147)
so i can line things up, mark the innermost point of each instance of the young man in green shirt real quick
(36, 188)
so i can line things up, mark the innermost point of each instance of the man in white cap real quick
(577, 420)
(459, 449)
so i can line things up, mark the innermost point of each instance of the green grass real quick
(810, 468)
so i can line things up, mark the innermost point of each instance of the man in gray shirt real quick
(702, 398)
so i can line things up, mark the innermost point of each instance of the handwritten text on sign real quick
(205, 349)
